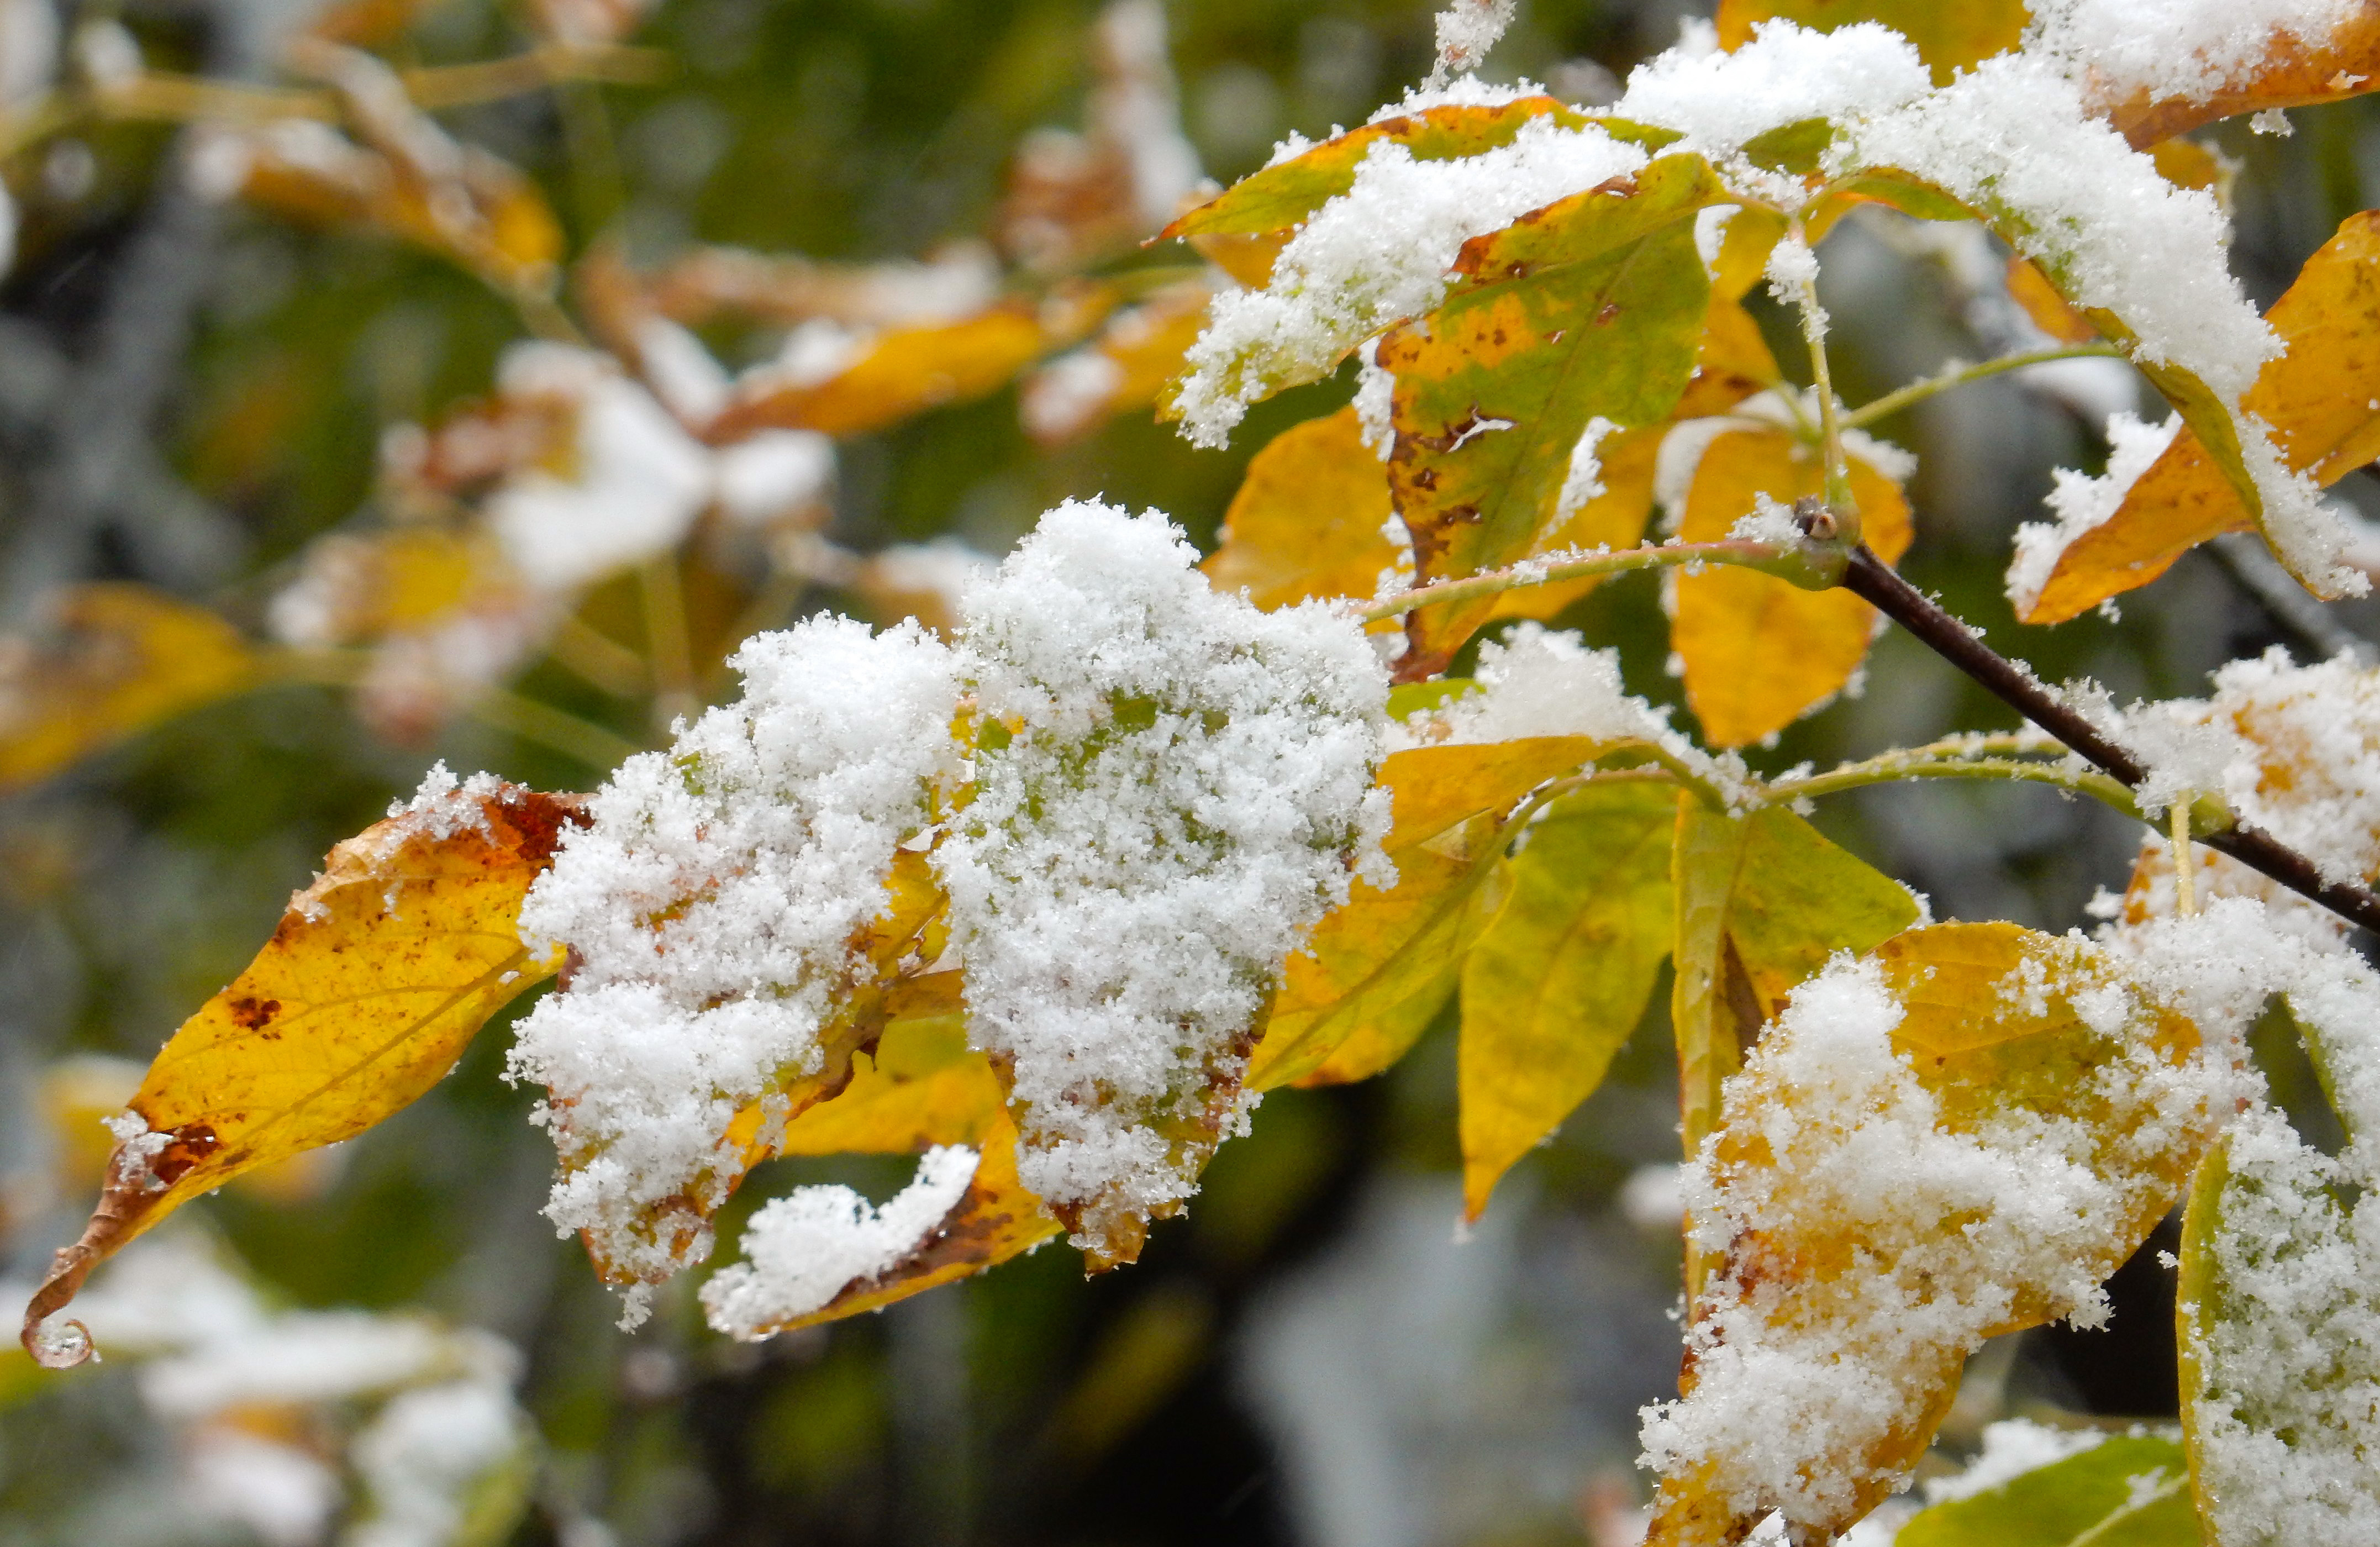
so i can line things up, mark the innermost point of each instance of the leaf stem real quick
(1959, 375)
(1839, 503)
(666, 641)
(1893, 768)
(1554, 568)
(1870, 579)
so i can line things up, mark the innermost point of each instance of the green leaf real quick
(1796, 147)
(2127, 1491)
(1590, 308)
(1799, 898)
(1561, 975)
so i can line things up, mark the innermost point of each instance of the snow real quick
(634, 484)
(426, 1459)
(2082, 503)
(1188, 788)
(2011, 1448)
(1466, 30)
(773, 474)
(1784, 74)
(1829, 1131)
(1584, 483)
(2190, 49)
(713, 903)
(802, 1249)
(1375, 255)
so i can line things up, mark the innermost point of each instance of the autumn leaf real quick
(1949, 37)
(893, 376)
(1560, 974)
(1284, 194)
(1375, 971)
(1933, 1148)
(1588, 309)
(379, 976)
(1122, 370)
(2319, 397)
(2042, 302)
(1309, 519)
(1731, 362)
(113, 661)
(1614, 518)
(2131, 1489)
(1760, 651)
(2297, 70)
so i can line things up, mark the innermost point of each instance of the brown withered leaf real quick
(379, 976)
(111, 661)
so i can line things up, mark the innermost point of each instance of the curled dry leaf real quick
(2321, 398)
(1956, 1137)
(113, 661)
(379, 976)
(1759, 651)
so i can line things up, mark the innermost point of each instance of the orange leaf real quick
(2321, 396)
(1310, 518)
(2296, 72)
(898, 373)
(2045, 305)
(1121, 372)
(1731, 362)
(1760, 651)
(377, 978)
(116, 660)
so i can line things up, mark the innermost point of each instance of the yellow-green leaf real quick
(1950, 35)
(1799, 898)
(113, 661)
(1760, 651)
(377, 978)
(1590, 308)
(1374, 971)
(1308, 520)
(2319, 398)
(1561, 975)
(2126, 1490)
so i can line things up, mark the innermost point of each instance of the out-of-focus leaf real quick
(377, 978)
(2187, 164)
(1998, 1055)
(114, 661)
(2127, 1491)
(893, 376)
(1376, 969)
(1798, 899)
(1731, 362)
(2319, 398)
(2045, 305)
(1122, 370)
(1282, 195)
(1590, 308)
(1561, 975)
(1949, 36)
(1310, 519)
(1760, 651)
(2298, 70)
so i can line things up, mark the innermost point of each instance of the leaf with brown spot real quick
(111, 661)
(1760, 651)
(379, 976)
(2322, 398)
(1590, 308)
(1309, 518)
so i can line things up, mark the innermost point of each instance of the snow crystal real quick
(1466, 30)
(2082, 503)
(1584, 480)
(1770, 522)
(636, 482)
(1187, 788)
(1790, 1377)
(712, 904)
(1375, 255)
(800, 1250)
(1375, 404)
(1784, 74)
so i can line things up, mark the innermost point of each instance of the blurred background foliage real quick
(195, 390)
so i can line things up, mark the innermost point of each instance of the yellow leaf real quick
(2042, 302)
(116, 660)
(1760, 651)
(2319, 397)
(1375, 971)
(1744, 252)
(2296, 72)
(1939, 1151)
(921, 1085)
(1123, 370)
(899, 373)
(1615, 517)
(1560, 974)
(377, 978)
(1246, 256)
(1308, 520)
(1950, 35)
(1731, 362)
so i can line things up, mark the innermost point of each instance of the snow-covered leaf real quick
(2124, 1491)
(1950, 35)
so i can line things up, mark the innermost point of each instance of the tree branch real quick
(1870, 579)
